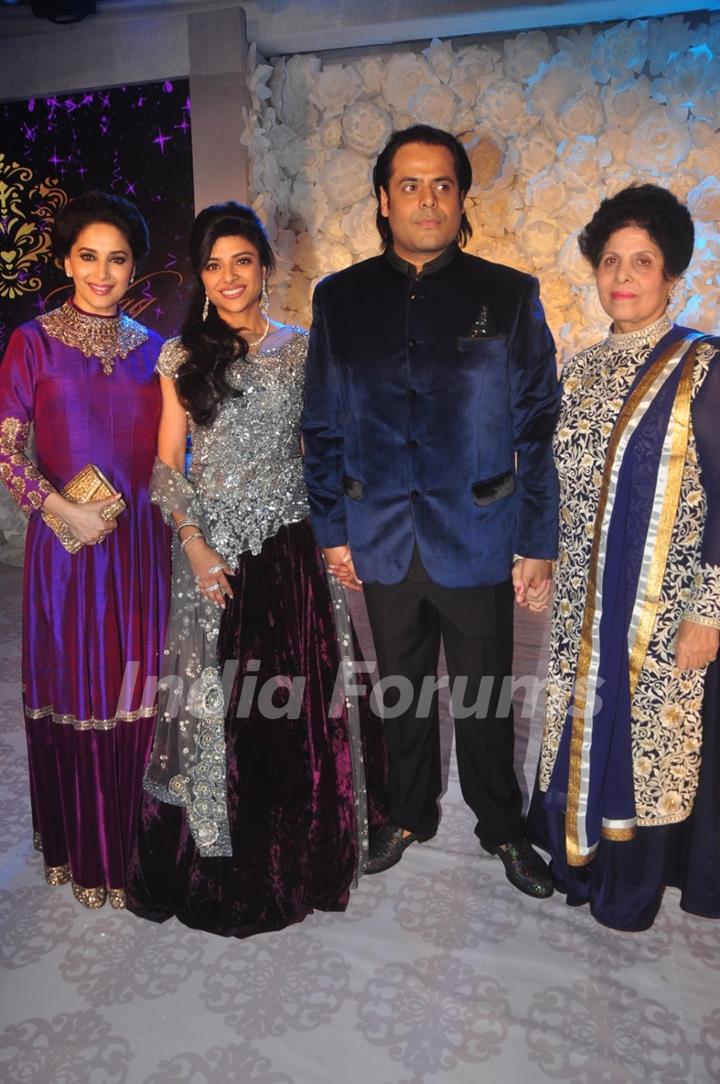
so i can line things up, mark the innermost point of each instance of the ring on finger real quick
(216, 568)
(213, 587)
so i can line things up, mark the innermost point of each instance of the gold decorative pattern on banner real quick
(27, 208)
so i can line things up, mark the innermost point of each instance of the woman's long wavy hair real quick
(212, 345)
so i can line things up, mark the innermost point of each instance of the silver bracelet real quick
(191, 538)
(186, 523)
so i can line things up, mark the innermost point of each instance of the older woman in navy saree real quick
(628, 796)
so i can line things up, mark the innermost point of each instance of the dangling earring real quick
(206, 308)
(264, 297)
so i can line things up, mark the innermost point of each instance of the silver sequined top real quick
(246, 467)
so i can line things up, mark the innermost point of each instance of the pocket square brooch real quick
(482, 326)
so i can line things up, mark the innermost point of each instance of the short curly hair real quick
(651, 208)
(93, 207)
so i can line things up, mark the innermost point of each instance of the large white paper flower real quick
(577, 44)
(366, 128)
(441, 57)
(502, 106)
(703, 310)
(476, 68)
(557, 82)
(704, 161)
(540, 239)
(302, 157)
(345, 178)
(294, 297)
(621, 49)
(492, 166)
(331, 133)
(691, 80)
(626, 103)
(308, 205)
(547, 194)
(581, 115)
(704, 200)
(335, 88)
(404, 76)
(259, 74)
(495, 215)
(534, 152)
(317, 255)
(555, 291)
(371, 70)
(524, 53)
(583, 162)
(292, 90)
(665, 37)
(660, 142)
(572, 263)
(360, 230)
(434, 105)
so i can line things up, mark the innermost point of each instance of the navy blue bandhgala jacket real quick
(430, 404)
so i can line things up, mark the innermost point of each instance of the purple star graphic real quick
(162, 140)
(54, 158)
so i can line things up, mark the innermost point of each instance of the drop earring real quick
(264, 297)
(206, 308)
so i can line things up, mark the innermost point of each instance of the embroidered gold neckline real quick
(103, 337)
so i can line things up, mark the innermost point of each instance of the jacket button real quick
(411, 342)
(412, 444)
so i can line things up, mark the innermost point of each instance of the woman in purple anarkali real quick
(84, 376)
(259, 796)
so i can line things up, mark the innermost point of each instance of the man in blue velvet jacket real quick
(431, 398)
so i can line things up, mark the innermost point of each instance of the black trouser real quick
(408, 621)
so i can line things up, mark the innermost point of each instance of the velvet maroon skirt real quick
(290, 793)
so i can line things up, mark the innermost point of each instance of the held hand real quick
(340, 565)
(85, 520)
(210, 571)
(696, 645)
(532, 583)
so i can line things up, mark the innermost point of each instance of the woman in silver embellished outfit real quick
(628, 797)
(265, 775)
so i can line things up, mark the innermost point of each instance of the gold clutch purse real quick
(89, 485)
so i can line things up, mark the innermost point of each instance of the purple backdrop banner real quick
(133, 141)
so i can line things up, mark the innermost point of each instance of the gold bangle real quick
(191, 538)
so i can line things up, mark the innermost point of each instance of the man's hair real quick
(433, 137)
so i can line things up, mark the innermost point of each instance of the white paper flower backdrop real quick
(552, 123)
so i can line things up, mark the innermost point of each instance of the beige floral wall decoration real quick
(552, 123)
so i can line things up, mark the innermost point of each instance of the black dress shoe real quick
(387, 846)
(524, 867)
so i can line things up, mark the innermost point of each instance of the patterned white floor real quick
(439, 972)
